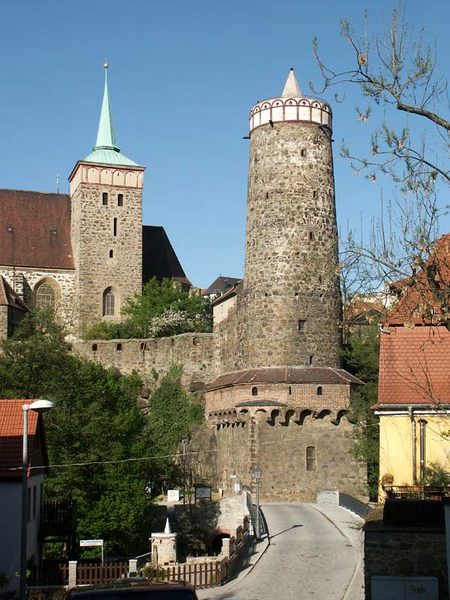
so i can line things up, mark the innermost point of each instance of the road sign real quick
(88, 543)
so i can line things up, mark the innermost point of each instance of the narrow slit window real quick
(115, 227)
(254, 391)
(111, 254)
(119, 199)
(315, 194)
(311, 236)
(319, 390)
(310, 458)
(310, 359)
(303, 152)
(302, 325)
(290, 390)
(105, 198)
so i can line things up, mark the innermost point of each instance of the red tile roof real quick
(414, 365)
(424, 299)
(11, 433)
(35, 230)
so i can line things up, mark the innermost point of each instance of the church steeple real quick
(106, 137)
(106, 150)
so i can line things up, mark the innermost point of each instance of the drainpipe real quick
(422, 423)
(413, 444)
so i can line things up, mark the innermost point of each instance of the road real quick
(308, 558)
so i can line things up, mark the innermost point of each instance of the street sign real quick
(89, 543)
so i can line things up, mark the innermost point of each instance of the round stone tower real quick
(291, 283)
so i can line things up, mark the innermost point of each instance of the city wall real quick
(194, 351)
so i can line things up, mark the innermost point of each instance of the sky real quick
(183, 77)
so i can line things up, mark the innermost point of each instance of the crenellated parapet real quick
(291, 110)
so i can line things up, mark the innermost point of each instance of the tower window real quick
(105, 198)
(303, 152)
(108, 303)
(302, 325)
(254, 391)
(119, 199)
(290, 390)
(311, 236)
(315, 194)
(94, 347)
(111, 254)
(115, 227)
(119, 347)
(310, 359)
(310, 458)
(319, 390)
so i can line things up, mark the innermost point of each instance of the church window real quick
(254, 391)
(119, 199)
(45, 296)
(302, 325)
(108, 303)
(115, 226)
(111, 254)
(319, 390)
(105, 198)
(310, 458)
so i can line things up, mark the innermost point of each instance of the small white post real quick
(72, 574)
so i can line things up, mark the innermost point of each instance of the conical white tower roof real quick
(291, 88)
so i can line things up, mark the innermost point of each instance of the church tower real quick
(106, 226)
(291, 283)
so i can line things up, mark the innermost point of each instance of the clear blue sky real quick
(183, 77)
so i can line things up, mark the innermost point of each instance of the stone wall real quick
(25, 280)
(333, 396)
(405, 552)
(279, 447)
(107, 248)
(290, 296)
(3, 322)
(194, 351)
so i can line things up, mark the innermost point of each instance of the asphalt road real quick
(308, 558)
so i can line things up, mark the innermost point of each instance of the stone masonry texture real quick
(94, 236)
(292, 310)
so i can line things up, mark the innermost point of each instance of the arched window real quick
(310, 458)
(108, 303)
(45, 296)
(254, 391)
(319, 390)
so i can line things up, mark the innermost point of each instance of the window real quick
(45, 296)
(302, 325)
(310, 359)
(105, 198)
(315, 194)
(115, 227)
(111, 254)
(119, 347)
(310, 458)
(303, 152)
(311, 236)
(319, 390)
(94, 347)
(108, 303)
(290, 390)
(254, 391)
(119, 199)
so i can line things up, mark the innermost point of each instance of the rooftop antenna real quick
(57, 184)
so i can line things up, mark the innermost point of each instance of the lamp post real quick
(257, 472)
(38, 406)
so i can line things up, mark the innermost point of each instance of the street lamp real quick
(38, 406)
(257, 472)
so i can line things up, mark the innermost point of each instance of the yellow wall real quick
(396, 445)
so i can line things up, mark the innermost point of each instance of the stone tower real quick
(291, 293)
(106, 226)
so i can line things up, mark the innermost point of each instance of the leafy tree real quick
(398, 76)
(360, 357)
(172, 414)
(161, 310)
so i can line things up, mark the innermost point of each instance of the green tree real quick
(172, 414)
(360, 357)
(161, 310)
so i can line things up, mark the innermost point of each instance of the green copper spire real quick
(106, 150)
(105, 137)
